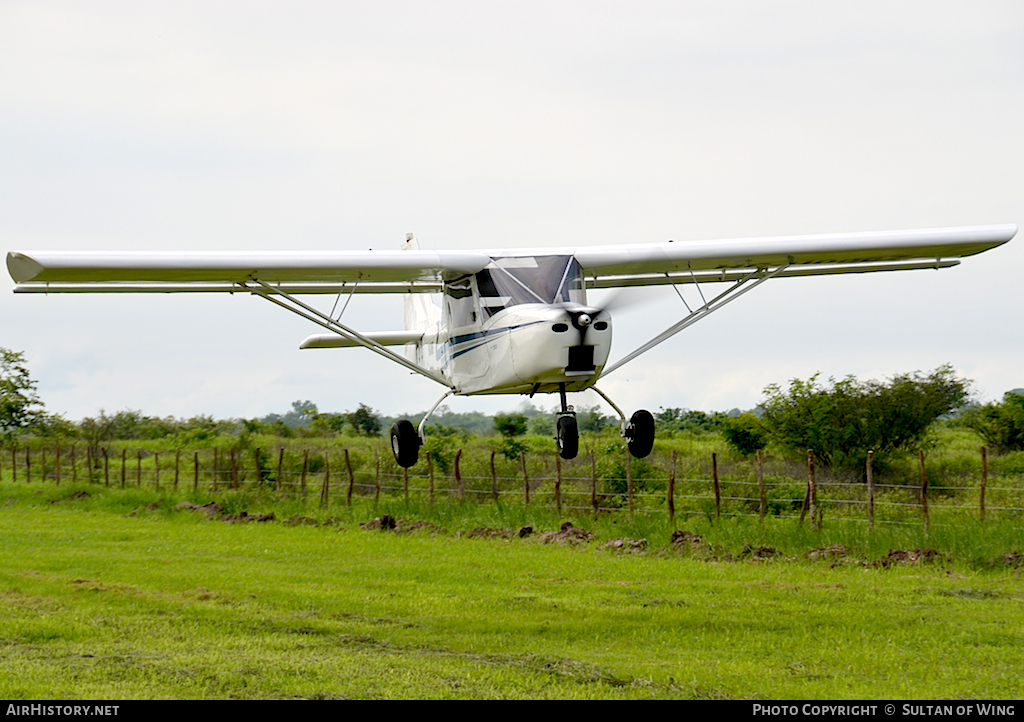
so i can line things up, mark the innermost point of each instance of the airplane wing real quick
(729, 260)
(296, 272)
(402, 271)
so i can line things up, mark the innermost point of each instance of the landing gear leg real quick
(638, 431)
(566, 428)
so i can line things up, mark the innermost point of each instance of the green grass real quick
(116, 595)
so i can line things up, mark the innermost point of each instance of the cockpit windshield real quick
(513, 280)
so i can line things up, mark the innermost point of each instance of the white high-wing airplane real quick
(509, 321)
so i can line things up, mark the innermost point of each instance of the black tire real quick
(640, 434)
(405, 443)
(568, 437)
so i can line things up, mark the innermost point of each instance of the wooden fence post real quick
(28, 464)
(57, 452)
(351, 478)
(760, 487)
(234, 469)
(924, 488)
(74, 466)
(42, 468)
(526, 480)
(195, 479)
(593, 481)
(256, 464)
(984, 483)
(458, 474)
(494, 478)
(812, 490)
(177, 467)
(871, 491)
(325, 488)
(376, 477)
(714, 481)
(124, 467)
(558, 483)
(305, 465)
(215, 470)
(138, 468)
(629, 479)
(280, 464)
(106, 468)
(672, 487)
(156, 468)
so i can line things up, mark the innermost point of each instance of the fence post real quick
(984, 482)
(42, 469)
(458, 473)
(74, 466)
(760, 486)
(558, 483)
(106, 468)
(280, 463)
(593, 481)
(88, 462)
(14, 463)
(195, 480)
(215, 470)
(629, 479)
(871, 491)
(259, 469)
(305, 465)
(714, 481)
(812, 491)
(924, 488)
(124, 467)
(177, 467)
(156, 467)
(351, 478)
(494, 478)
(28, 464)
(138, 468)
(325, 488)
(376, 477)
(672, 487)
(234, 470)
(526, 480)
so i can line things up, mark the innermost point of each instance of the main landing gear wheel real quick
(568, 437)
(640, 433)
(405, 443)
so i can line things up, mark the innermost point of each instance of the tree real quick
(746, 433)
(510, 426)
(1000, 425)
(364, 420)
(20, 407)
(841, 422)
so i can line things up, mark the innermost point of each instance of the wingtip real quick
(22, 268)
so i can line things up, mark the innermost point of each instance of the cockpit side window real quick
(513, 280)
(460, 303)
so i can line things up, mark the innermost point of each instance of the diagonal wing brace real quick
(730, 294)
(275, 296)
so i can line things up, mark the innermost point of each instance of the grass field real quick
(116, 595)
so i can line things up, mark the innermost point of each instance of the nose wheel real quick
(568, 435)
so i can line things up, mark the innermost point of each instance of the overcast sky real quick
(345, 125)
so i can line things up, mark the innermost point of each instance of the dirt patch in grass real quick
(568, 534)
(911, 556)
(625, 544)
(386, 522)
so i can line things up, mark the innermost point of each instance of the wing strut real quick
(311, 314)
(729, 294)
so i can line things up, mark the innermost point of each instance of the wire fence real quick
(596, 482)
